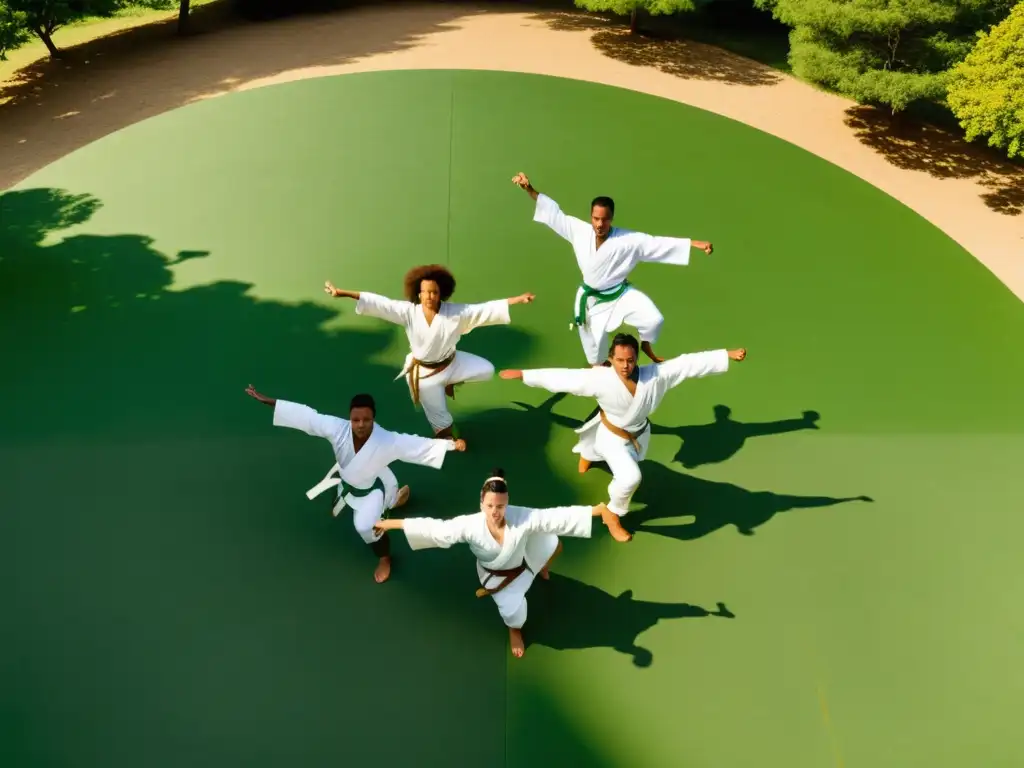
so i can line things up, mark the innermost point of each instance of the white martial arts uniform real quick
(605, 271)
(626, 411)
(366, 482)
(531, 536)
(434, 342)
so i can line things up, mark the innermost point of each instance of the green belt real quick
(378, 485)
(602, 296)
(359, 493)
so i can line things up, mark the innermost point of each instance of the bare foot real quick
(515, 639)
(403, 496)
(584, 465)
(383, 570)
(615, 527)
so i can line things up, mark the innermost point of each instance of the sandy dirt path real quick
(966, 191)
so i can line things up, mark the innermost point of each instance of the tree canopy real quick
(631, 7)
(44, 17)
(986, 90)
(882, 52)
(13, 31)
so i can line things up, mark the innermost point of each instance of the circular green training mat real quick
(171, 597)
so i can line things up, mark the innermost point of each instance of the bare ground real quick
(54, 108)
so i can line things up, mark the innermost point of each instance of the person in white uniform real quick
(511, 545)
(627, 395)
(606, 255)
(364, 450)
(434, 326)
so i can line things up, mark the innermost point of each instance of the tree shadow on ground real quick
(153, 513)
(723, 438)
(916, 146)
(623, 618)
(55, 107)
(662, 49)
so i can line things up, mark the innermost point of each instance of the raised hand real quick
(251, 392)
(460, 445)
(330, 289)
(737, 354)
(521, 181)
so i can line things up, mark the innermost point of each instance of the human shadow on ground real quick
(713, 505)
(916, 146)
(723, 438)
(661, 48)
(55, 107)
(557, 606)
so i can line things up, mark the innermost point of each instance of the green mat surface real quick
(171, 598)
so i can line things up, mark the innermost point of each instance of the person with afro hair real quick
(434, 325)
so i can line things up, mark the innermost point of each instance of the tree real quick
(44, 17)
(183, 9)
(13, 31)
(631, 7)
(882, 52)
(986, 90)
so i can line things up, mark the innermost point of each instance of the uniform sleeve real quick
(428, 532)
(548, 212)
(305, 419)
(693, 366)
(383, 308)
(563, 521)
(480, 315)
(573, 381)
(663, 250)
(413, 449)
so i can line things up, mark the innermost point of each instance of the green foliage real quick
(13, 31)
(986, 90)
(882, 52)
(629, 7)
(44, 17)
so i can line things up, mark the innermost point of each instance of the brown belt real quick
(507, 577)
(620, 432)
(414, 374)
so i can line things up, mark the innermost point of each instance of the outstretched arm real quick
(298, 416)
(655, 249)
(373, 304)
(573, 381)
(698, 364)
(427, 532)
(548, 212)
(338, 293)
(565, 521)
(425, 451)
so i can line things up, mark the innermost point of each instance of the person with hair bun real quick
(627, 395)
(511, 544)
(433, 326)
